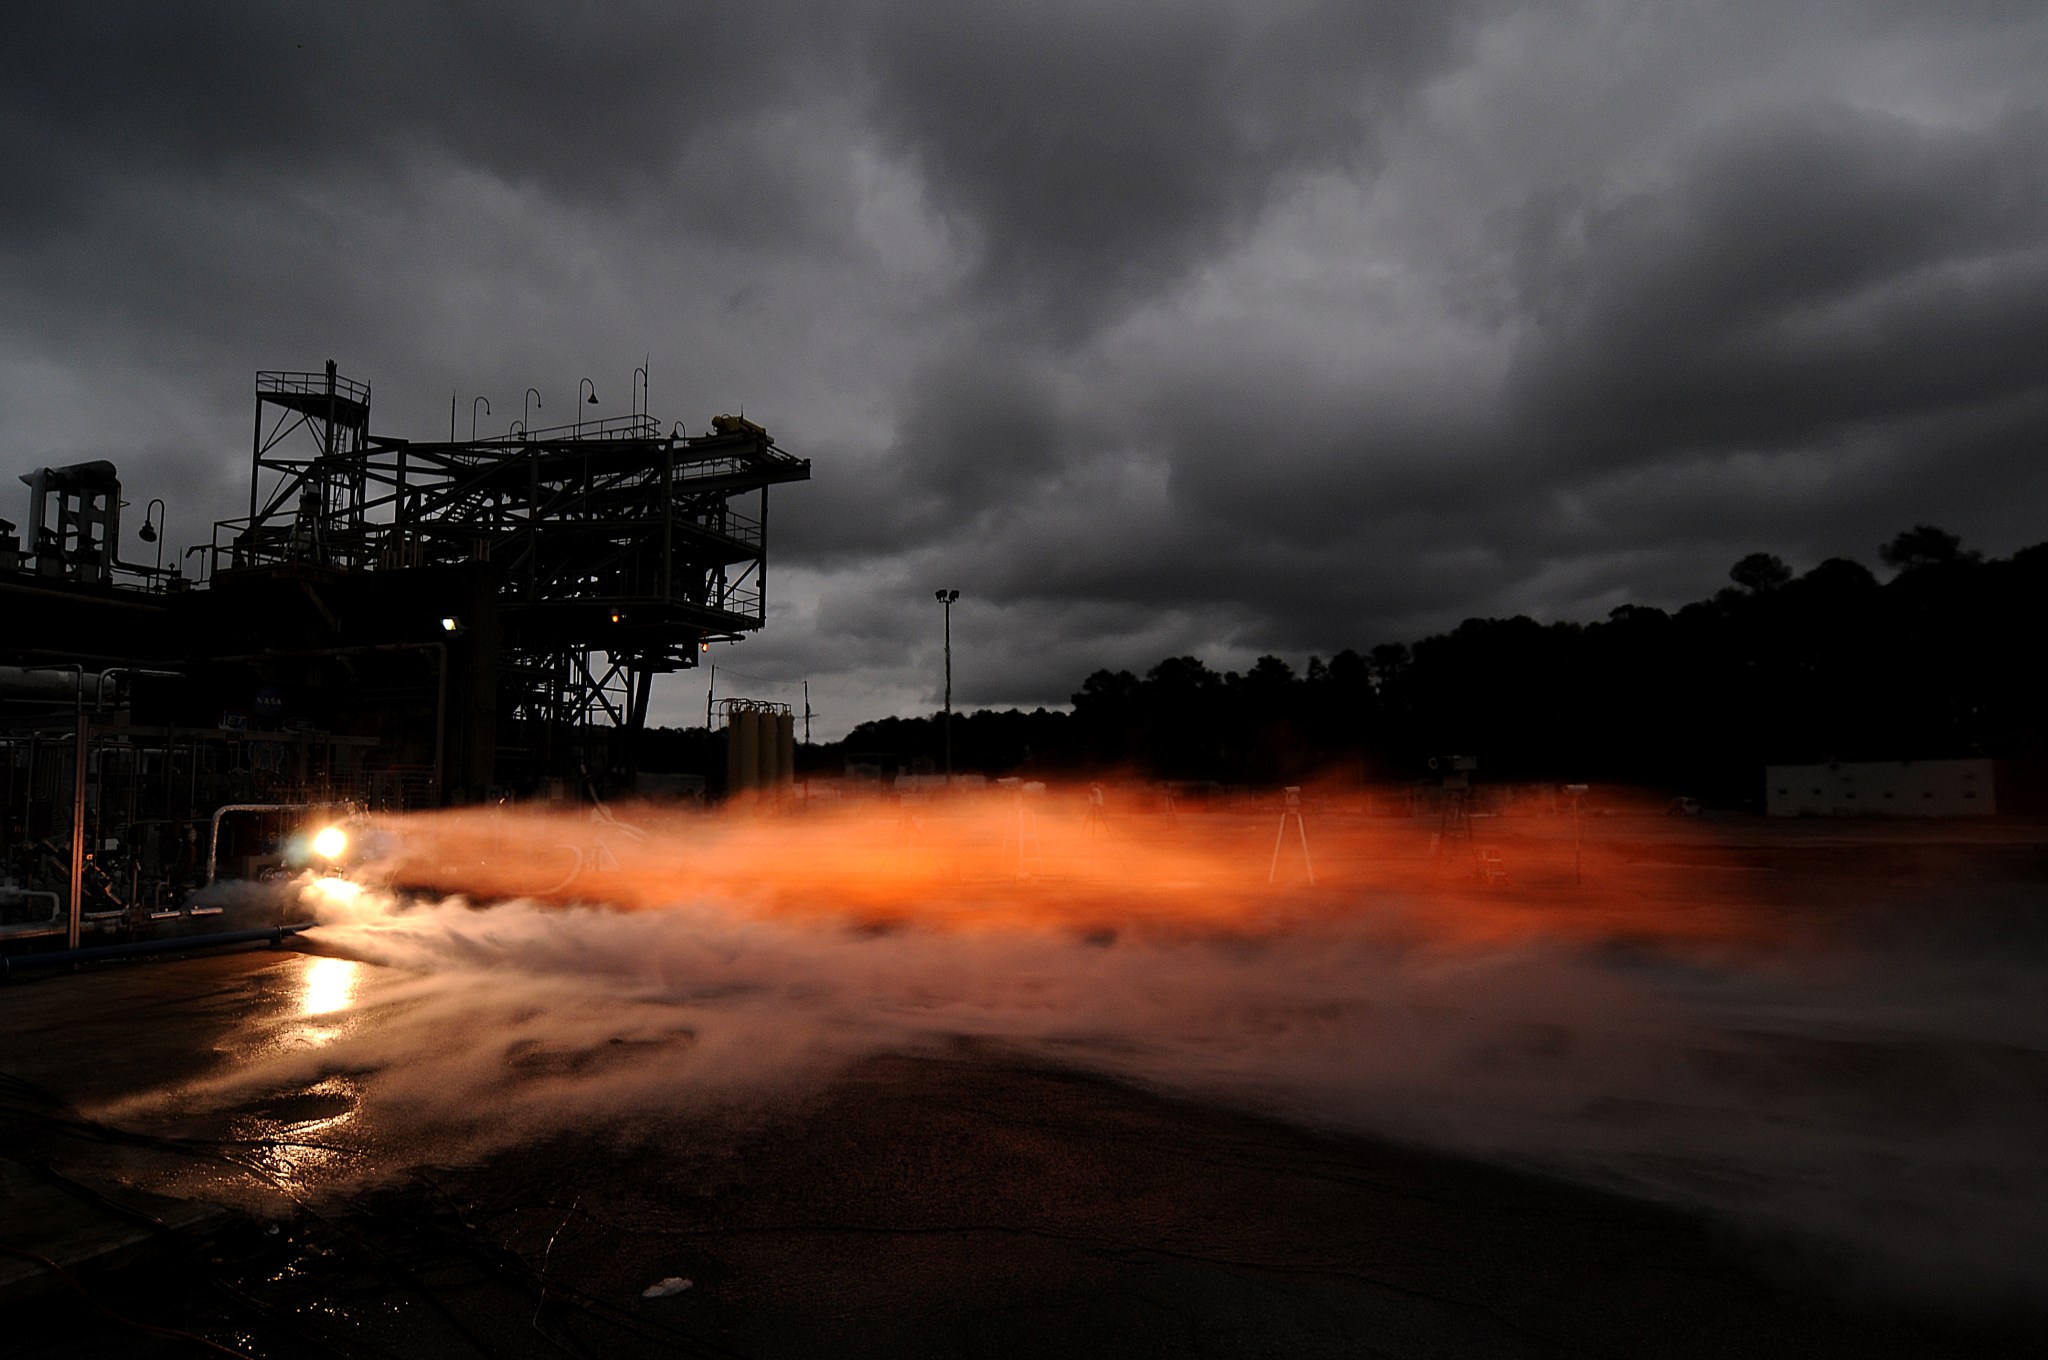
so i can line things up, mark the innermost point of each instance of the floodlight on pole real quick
(945, 599)
(149, 532)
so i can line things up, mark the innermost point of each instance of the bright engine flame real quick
(329, 842)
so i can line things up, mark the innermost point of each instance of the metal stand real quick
(1291, 811)
(1097, 824)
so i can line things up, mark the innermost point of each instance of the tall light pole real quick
(590, 400)
(484, 402)
(526, 412)
(946, 598)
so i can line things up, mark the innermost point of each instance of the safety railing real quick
(276, 383)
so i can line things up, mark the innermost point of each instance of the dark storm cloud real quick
(425, 192)
(981, 432)
(985, 425)
(260, 94)
(1154, 328)
(1098, 151)
(1810, 267)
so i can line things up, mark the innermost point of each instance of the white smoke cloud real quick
(1888, 1099)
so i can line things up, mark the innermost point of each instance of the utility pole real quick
(946, 598)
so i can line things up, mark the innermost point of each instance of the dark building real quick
(394, 624)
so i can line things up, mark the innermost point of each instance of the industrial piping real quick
(213, 840)
(10, 964)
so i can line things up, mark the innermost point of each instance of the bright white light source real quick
(450, 624)
(329, 842)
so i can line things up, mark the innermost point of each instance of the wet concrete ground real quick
(963, 1203)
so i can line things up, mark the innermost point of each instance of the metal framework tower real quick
(618, 549)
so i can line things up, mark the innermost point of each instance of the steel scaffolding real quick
(618, 549)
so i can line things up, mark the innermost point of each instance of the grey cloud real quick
(1199, 328)
(985, 425)
(606, 108)
(981, 437)
(1813, 268)
(1099, 150)
(506, 86)
(853, 512)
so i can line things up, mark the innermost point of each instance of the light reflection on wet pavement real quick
(330, 985)
(283, 1143)
(962, 1196)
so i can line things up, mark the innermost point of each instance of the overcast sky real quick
(1151, 328)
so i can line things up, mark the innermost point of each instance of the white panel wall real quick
(1881, 788)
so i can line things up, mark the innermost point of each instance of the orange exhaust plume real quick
(1097, 860)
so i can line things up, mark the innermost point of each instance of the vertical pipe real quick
(78, 822)
(398, 506)
(30, 778)
(256, 457)
(532, 520)
(128, 832)
(440, 719)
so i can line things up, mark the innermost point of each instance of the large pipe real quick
(17, 680)
(440, 652)
(83, 734)
(78, 821)
(274, 935)
(48, 682)
(213, 841)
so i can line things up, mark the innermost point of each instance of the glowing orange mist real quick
(1107, 859)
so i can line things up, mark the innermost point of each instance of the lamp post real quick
(640, 390)
(590, 400)
(484, 402)
(149, 533)
(526, 412)
(946, 598)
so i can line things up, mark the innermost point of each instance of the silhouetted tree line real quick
(1946, 658)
